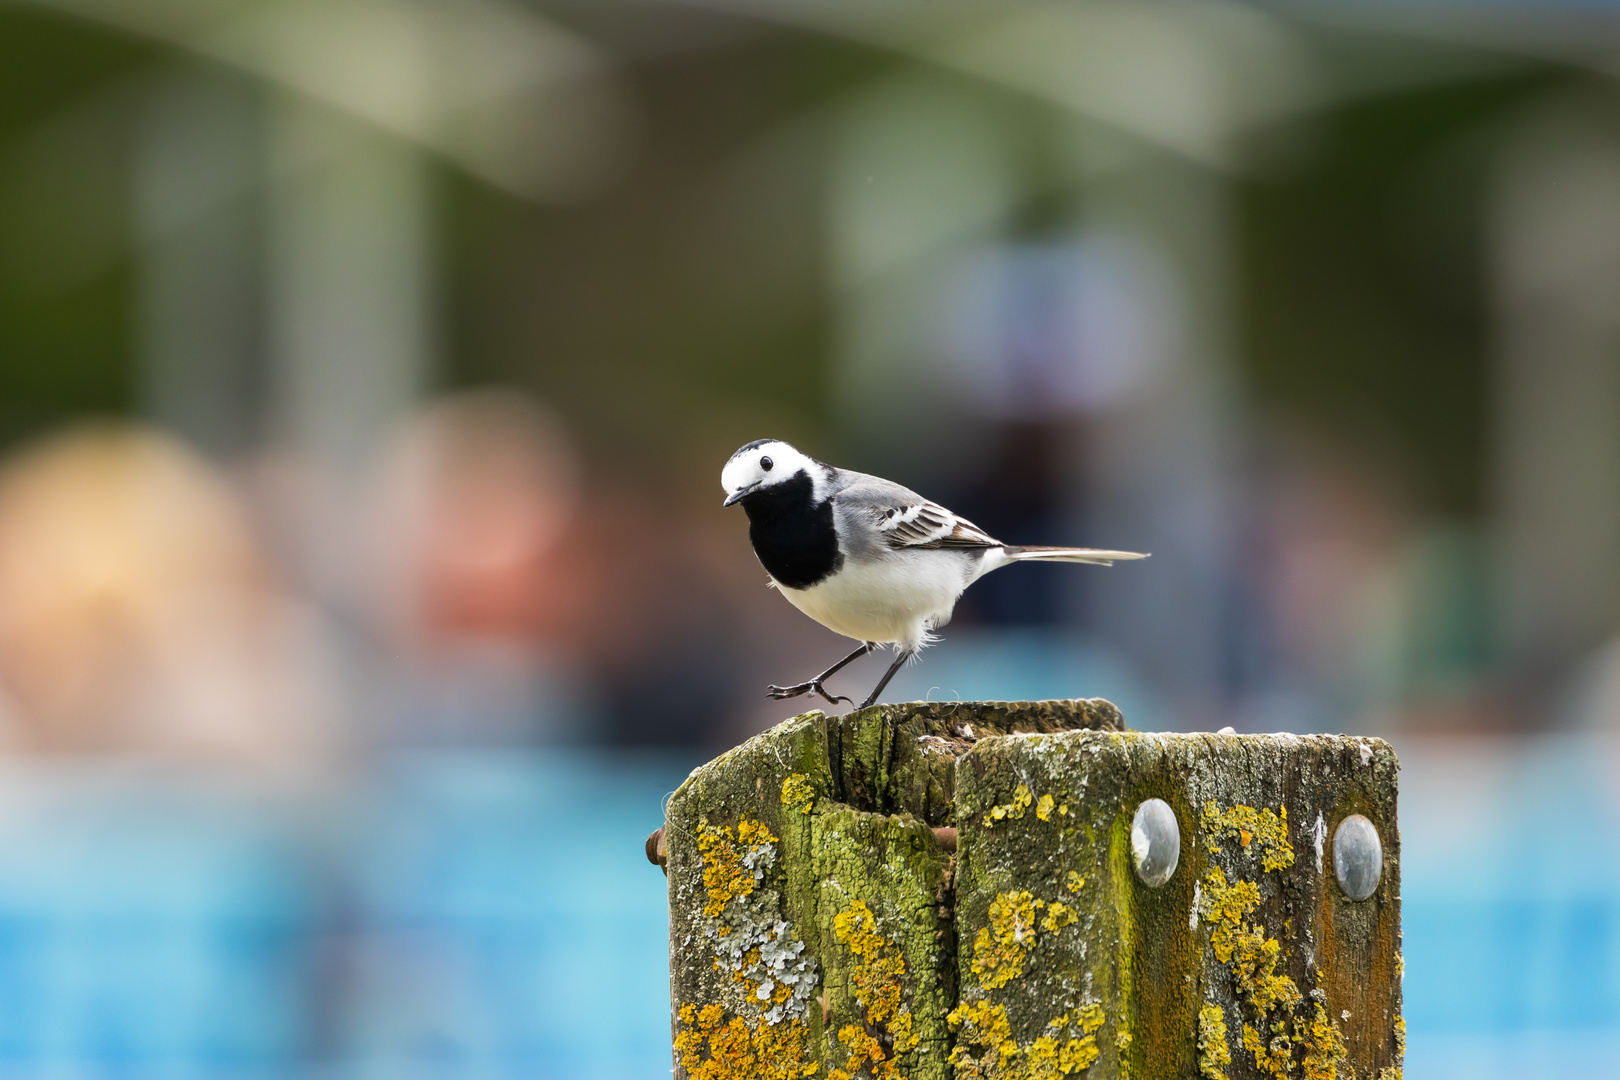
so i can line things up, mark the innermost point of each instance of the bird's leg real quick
(814, 685)
(902, 656)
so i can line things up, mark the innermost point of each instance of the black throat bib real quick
(793, 537)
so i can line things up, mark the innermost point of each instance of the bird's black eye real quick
(767, 464)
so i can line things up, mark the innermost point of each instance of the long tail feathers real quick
(1094, 556)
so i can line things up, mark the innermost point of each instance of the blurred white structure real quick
(351, 312)
(1555, 232)
(199, 154)
(490, 85)
(284, 197)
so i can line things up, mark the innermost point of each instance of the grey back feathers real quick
(889, 517)
(905, 520)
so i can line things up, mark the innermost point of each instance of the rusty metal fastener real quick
(657, 852)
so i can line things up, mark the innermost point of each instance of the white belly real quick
(895, 601)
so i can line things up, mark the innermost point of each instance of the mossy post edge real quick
(947, 891)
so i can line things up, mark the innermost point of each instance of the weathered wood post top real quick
(1026, 891)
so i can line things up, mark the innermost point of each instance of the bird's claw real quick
(814, 686)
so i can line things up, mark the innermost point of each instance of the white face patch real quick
(768, 463)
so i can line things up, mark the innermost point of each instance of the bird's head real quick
(761, 464)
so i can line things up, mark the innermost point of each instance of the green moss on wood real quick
(880, 881)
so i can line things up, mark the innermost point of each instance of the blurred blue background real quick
(366, 370)
(456, 915)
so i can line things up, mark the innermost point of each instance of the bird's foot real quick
(814, 686)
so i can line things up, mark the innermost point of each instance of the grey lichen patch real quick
(757, 1023)
(746, 969)
(740, 925)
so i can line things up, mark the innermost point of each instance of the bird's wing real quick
(904, 519)
(929, 525)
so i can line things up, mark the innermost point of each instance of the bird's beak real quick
(739, 493)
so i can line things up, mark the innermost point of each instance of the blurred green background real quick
(366, 370)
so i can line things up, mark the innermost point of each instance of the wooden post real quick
(954, 891)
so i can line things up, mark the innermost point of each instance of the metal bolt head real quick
(1155, 842)
(1358, 857)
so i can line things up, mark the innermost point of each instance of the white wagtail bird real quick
(863, 556)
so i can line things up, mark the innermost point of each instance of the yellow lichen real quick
(1021, 799)
(1266, 830)
(862, 1047)
(1274, 1058)
(1122, 1040)
(983, 1024)
(1067, 1046)
(877, 979)
(1224, 907)
(711, 1047)
(1213, 1053)
(1325, 1049)
(1393, 1072)
(1069, 1043)
(1000, 948)
(1058, 915)
(1078, 1055)
(1074, 883)
(1268, 999)
(797, 793)
(767, 1035)
(1043, 808)
(1073, 1056)
(731, 861)
(1252, 957)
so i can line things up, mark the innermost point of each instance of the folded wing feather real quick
(905, 520)
(929, 525)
